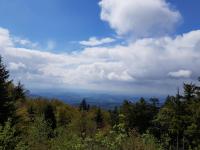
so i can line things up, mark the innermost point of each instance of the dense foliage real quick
(41, 124)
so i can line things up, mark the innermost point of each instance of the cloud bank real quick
(140, 18)
(144, 66)
(153, 63)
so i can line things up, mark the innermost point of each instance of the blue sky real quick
(73, 20)
(148, 47)
(59, 20)
(189, 10)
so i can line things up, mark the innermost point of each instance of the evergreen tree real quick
(6, 102)
(99, 119)
(49, 116)
(189, 90)
(114, 115)
(84, 106)
(19, 92)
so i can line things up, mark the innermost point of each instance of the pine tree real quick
(19, 92)
(114, 116)
(84, 106)
(49, 116)
(6, 102)
(189, 91)
(99, 119)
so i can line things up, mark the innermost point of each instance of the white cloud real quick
(24, 42)
(139, 18)
(93, 41)
(5, 38)
(142, 66)
(16, 66)
(180, 74)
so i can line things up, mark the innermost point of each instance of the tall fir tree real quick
(114, 116)
(99, 119)
(49, 116)
(84, 106)
(19, 92)
(6, 101)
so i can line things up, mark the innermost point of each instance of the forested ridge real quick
(49, 124)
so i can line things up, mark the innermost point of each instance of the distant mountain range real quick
(99, 99)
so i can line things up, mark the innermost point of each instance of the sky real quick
(133, 46)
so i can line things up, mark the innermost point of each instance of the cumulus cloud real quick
(140, 18)
(143, 66)
(24, 42)
(180, 74)
(16, 66)
(93, 41)
(5, 39)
